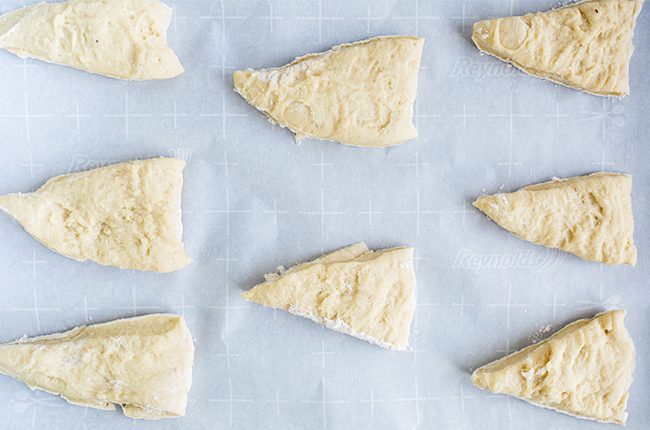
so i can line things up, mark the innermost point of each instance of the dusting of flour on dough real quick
(540, 333)
(342, 327)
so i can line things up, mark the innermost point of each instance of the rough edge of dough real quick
(297, 136)
(553, 180)
(582, 417)
(281, 270)
(548, 78)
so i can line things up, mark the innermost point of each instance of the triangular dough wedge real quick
(123, 39)
(583, 370)
(126, 215)
(589, 216)
(365, 294)
(143, 364)
(358, 94)
(586, 45)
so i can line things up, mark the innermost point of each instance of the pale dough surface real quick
(589, 216)
(358, 94)
(584, 370)
(143, 364)
(366, 294)
(123, 39)
(587, 45)
(126, 215)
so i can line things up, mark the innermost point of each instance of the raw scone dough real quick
(585, 45)
(584, 370)
(358, 94)
(366, 294)
(126, 215)
(123, 39)
(589, 216)
(143, 364)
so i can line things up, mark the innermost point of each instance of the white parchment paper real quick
(254, 200)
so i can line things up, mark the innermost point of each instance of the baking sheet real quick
(254, 200)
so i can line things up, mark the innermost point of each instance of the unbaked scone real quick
(365, 294)
(123, 39)
(589, 216)
(584, 370)
(143, 364)
(126, 215)
(585, 45)
(359, 94)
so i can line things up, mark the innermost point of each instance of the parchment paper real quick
(254, 200)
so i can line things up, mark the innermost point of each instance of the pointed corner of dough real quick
(181, 162)
(181, 261)
(262, 294)
(570, 36)
(631, 254)
(170, 69)
(249, 84)
(616, 315)
(480, 32)
(158, 60)
(12, 204)
(613, 319)
(6, 201)
(239, 78)
(248, 295)
(178, 319)
(478, 379)
(488, 204)
(476, 204)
